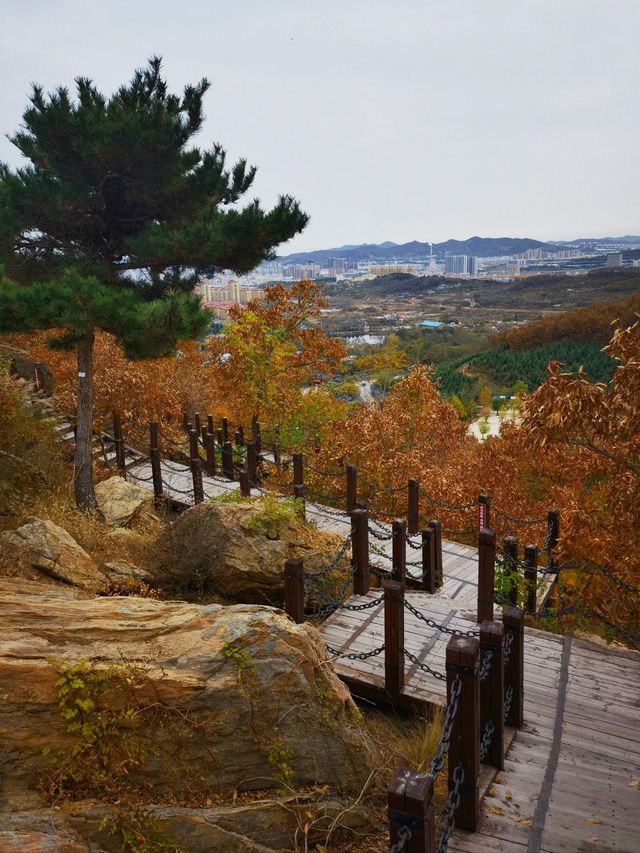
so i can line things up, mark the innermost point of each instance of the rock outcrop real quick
(120, 502)
(40, 547)
(264, 826)
(229, 697)
(232, 553)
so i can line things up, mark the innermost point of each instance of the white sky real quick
(388, 119)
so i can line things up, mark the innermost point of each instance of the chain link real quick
(508, 699)
(485, 741)
(485, 666)
(508, 642)
(437, 762)
(333, 564)
(356, 655)
(454, 632)
(404, 836)
(453, 802)
(424, 666)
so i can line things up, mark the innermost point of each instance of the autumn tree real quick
(485, 397)
(270, 351)
(113, 219)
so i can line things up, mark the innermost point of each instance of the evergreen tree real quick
(113, 219)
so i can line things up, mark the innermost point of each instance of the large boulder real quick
(224, 697)
(120, 502)
(238, 550)
(40, 547)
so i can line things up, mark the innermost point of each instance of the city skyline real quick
(388, 121)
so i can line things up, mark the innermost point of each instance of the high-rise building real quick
(473, 267)
(614, 259)
(456, 264)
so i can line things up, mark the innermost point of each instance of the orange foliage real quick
(592, 323)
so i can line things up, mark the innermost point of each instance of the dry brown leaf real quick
(508, 795)
(495, 810)
(592, 820)
(633, 783)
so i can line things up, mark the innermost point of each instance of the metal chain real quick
(356, 655)
(453, 802)
(442, 628)
(487, 737)
(508, 699)
(437, 762)
(424, 666)
(332, 565)
(321, 473)
(485, 666)
(381, 537)
(340, 513)
(508, 642)
(404, 836)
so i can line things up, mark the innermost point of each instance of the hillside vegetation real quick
(505, 367)
(592, 324)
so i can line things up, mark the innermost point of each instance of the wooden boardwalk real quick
(571, 782)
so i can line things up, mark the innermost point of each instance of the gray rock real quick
(48, 549)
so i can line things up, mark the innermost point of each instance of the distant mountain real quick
(482, 247)
(598, 241)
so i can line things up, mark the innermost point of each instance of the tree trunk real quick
(85, 495)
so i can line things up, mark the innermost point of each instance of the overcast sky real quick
(388, 119)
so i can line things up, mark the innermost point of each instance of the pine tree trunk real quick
(85, 495)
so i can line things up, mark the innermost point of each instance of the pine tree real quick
(113, 219)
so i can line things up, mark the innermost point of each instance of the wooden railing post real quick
(298, 469)
(276, 455)
(360, 550)
(119, 443)
(484, 511)
(492, 690)
(245, 484)
(462, 659)
(156, 463)
(513, 621)
(399, 551)
(411, 803)
(225, 430)
(352, 487)
(531, 576)
(486, 574)
(252, 462)
(437, 550)
(196, 470)
(294, 589)
(210, 450)
(239, 437)
(220, 438)
(393, 638)
(210, 426)
(428, 560)
(194, 452)
(413, 506)
(511, 567)
(227, 460)
(196, 422)
(185, 422)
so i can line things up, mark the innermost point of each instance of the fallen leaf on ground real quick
(592, 820)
